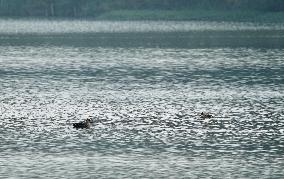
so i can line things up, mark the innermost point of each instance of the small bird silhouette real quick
(205, 115)
(83, 125)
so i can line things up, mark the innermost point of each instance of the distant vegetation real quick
(236, 10)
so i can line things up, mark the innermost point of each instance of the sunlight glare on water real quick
(145, 102)
(14, 26)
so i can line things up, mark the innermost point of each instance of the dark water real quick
(144, 91)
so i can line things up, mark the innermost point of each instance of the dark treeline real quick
(93, 8)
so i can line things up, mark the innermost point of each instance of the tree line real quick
(93, 8)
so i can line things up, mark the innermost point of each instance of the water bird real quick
(205, 115)
(83, 125)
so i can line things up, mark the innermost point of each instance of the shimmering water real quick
(144, 91)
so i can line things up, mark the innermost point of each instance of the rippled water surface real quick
(145, 92)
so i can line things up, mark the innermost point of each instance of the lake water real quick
(144, 84)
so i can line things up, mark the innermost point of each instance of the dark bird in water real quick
(205, 115)
(83, 125)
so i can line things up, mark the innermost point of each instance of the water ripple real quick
(145, 104)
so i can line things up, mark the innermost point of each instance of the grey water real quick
(144, 84)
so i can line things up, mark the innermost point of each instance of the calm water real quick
(144, 84)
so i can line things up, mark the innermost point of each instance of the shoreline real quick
(171, 15)
(194, 15)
